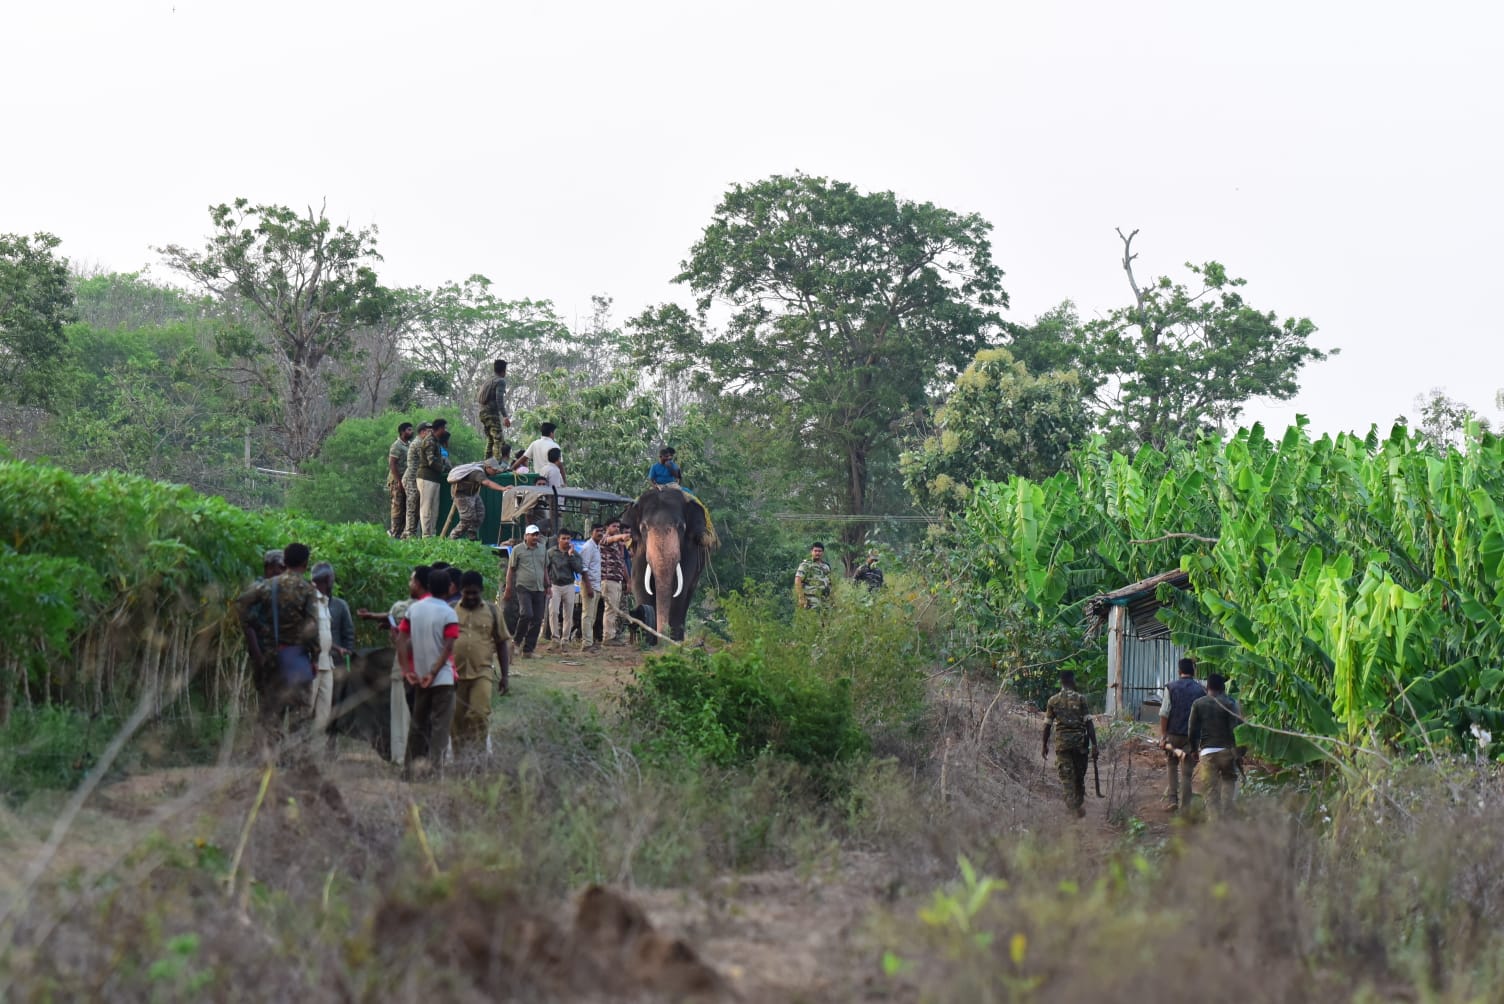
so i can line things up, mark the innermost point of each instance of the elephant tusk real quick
(678, 579)
(647, 579)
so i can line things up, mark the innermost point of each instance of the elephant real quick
(671, 543)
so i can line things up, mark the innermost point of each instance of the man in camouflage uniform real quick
(465, 483)
(1213, 719)
(494, 416)
(293, 631)
(257, 623)
(396, 470)
(1075, 740)
(410, 480)
(433, 469)
(812, 580)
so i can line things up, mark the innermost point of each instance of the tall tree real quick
(1179, 360)
(36, 300)
(844, 308)
(305, 285)
(1444, 420)
(999, 420)
(458, 329)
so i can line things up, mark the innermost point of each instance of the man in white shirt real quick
(537, 450)
(590, 587)
(428, 632)
(553, 471)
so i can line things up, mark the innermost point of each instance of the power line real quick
(842, 518)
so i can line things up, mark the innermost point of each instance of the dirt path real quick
(797, 933)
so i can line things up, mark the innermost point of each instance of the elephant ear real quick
(631, 518)
(697, 525)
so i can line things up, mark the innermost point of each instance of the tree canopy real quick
(1181, 360)
(999, 420)
(304, 285)
(36, 300)
(844, 309)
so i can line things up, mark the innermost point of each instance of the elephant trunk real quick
(663, 576)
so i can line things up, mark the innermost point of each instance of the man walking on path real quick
(1075, 740)
(1174, 733)
(1213, 719)
(410, 480)
(396, 470)
(494, 416)
(481, 645)
(428, 634)
(812, 580)
(527, 579)
(563, 566)
(590, 587)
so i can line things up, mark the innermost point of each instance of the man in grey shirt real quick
(526, 579)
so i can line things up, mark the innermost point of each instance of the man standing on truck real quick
(494, 416)
(396, 469)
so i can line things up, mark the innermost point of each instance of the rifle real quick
(1096, 776)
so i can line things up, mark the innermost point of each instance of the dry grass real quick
(354, 886)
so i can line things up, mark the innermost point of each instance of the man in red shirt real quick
(425, 648)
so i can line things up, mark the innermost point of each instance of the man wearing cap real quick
(396, 468)
(465, 482)
(869, 573)
(410, 480)
(527, 580)
(493, 409)
(336, 646)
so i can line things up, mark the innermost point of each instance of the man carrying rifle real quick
(1075, 739)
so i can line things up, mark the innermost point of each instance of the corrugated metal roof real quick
(1139, 598)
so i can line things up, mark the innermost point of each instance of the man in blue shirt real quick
(666, 471)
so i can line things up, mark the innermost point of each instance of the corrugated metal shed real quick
(1141, 658)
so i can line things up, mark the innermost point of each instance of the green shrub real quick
(872, 643)
(129, 584)
(731, 707)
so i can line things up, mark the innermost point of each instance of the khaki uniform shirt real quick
(475, 648)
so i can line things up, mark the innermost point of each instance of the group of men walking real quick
(1196, 726)
(541, 579)
(450, 641)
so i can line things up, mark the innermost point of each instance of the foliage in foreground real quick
(1351, 585)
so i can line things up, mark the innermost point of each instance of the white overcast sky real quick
(1345, 158)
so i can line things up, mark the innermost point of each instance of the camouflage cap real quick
(322, 570)
(273, 557)
(398, 611)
